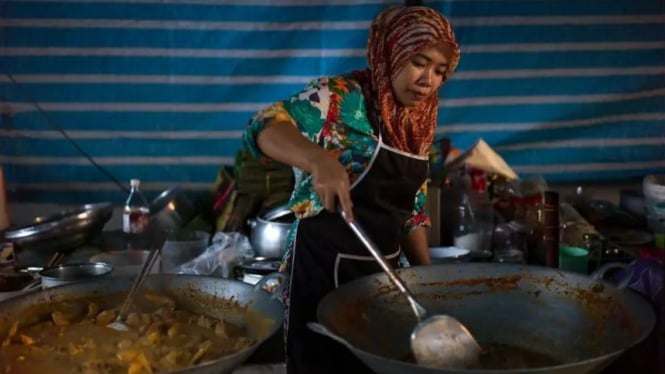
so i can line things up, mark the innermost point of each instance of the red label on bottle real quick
(135, 222)
(478, 180)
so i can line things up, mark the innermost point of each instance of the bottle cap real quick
(134, 183)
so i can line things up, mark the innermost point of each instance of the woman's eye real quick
(418, 64)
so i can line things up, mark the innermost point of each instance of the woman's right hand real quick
(283, 142)
(331, 182)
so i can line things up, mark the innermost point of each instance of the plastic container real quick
(182, 246)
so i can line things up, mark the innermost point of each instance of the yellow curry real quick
(73, 338)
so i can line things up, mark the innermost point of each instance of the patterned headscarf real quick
(397, 34)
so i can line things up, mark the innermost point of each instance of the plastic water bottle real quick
(135, 217)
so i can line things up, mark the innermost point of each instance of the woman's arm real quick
(414, 243)
(415, 247)
(283, 142)
(289, 131)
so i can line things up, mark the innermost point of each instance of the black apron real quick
(328, 254)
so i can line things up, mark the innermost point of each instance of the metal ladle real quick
(118, 323)
(437, 341)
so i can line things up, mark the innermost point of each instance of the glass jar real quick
(510, 243)
(473, 233)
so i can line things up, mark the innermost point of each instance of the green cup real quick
(573, 259)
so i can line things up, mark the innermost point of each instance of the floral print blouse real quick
(331, 112)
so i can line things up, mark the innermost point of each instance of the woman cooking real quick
(362, 141)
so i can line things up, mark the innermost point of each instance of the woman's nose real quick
(426, 77)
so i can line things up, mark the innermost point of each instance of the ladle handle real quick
(145, 269)
(418, 310)
(320, 329)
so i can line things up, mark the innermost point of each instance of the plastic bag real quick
(228, 249)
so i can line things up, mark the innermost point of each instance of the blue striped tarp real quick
(161, 89)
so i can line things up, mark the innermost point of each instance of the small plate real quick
(442, 255)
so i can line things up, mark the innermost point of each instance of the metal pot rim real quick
(264, 221)
(106, 269)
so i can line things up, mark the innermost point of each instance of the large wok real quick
(583, 322)
(193, 293)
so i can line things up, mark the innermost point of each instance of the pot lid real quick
(277, 212)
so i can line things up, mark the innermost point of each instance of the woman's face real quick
(422, 76)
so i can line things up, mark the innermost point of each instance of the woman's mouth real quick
(418, 96)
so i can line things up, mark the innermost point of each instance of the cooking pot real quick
(190, 291)
(581, 322)
(269, 231)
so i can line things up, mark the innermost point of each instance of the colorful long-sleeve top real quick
(331, 112)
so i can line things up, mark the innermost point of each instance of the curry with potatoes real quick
(73, 337)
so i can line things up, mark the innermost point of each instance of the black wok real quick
(260, 311)
(582, 322)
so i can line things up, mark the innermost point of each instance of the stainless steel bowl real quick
(73, 273)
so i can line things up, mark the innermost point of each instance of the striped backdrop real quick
(161, 89)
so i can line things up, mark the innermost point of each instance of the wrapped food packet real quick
(482, 156)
